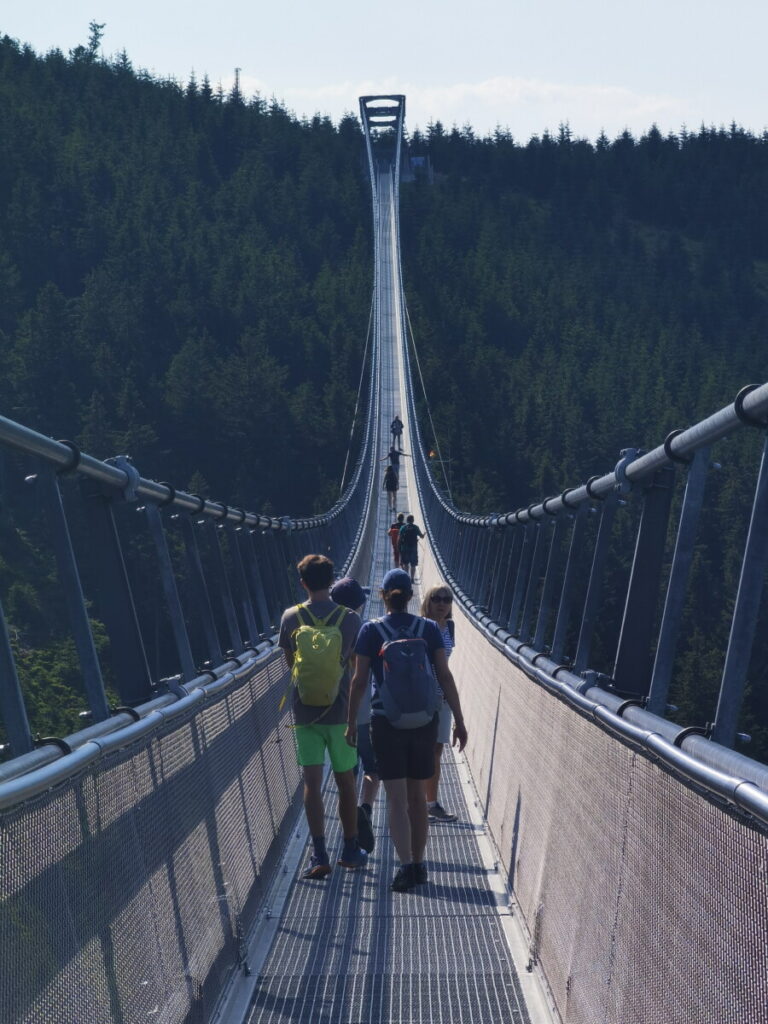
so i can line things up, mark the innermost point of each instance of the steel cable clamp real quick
(130, 491)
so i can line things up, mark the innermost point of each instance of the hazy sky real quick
(524, 64)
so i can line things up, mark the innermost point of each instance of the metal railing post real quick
(242, 583)
(521, 580)
(565, 604)
(14, 713)
(170, 591)
(257, 585)
(751, 584)
(132, 675)
(632, 668)
(678, 580)
(500, 571)
(475, 566)
(69, 577)
(533, 581)
(510, 572)
(225, 591)
(550, 578)
(595, 585)
(199, 589)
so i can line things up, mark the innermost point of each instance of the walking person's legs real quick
(343, 761)
(406, 760)
(369, 789)
(320, 864)
(311, 744)
(398, 818)
(436, 811)
(345, 783)
(417, 815)
(313, 799)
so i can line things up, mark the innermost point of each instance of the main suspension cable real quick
(426, 401)
(357, 400)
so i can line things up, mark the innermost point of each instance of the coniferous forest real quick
(185, 276)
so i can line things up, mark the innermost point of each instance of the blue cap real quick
(347, 591)
(397, 579)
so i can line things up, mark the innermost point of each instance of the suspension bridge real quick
(608, 864)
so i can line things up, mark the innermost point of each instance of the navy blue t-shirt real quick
(369, 643)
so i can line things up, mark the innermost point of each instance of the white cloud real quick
(526, 106)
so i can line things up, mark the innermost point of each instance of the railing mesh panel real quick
(646, 901)
(121, 891)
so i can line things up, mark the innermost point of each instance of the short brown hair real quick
(316, 571)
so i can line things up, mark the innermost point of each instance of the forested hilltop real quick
(185, 276)
(569, 300)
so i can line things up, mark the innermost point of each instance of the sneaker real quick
(420, 873)
(318, 868)
(364, 830)
(357, 858)
(405, 879)
(439, 813)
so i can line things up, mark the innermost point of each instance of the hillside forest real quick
(185, 276)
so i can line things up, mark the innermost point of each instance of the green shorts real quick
(313, 740)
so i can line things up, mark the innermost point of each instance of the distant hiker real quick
(394, 458)
(317, 639)
(394, 535)
(409, 541)
(391, 485)
(437, 605)
(400, 650)
(348, 592)
(397, 431)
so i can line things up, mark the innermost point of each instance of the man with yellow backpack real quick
(317, 639)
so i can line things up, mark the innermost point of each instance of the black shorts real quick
(404, 753)
(410, 556)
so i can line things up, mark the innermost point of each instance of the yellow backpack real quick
(317, 667)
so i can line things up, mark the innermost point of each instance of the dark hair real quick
(396, 600)
(316, 571)
(409, 519)
(401, 517)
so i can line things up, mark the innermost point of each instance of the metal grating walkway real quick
(350, 951)
(347, 950)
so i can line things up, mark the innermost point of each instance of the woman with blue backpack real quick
(406, 656)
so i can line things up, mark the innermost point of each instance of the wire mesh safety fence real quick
(177, 583)
(645, 898)
(126, 891)
(599, 579)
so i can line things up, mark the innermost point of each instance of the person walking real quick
(438, 606)
(396, 429)
(317, 638)
(391, 485)
(409, 545)
(394, 535)
(394, 459)
(348, 592)
(402, 697)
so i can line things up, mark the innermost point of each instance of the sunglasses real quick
(442, 597)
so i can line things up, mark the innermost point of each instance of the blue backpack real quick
(408, 688)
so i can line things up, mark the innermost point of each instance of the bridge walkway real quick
(347, 950)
